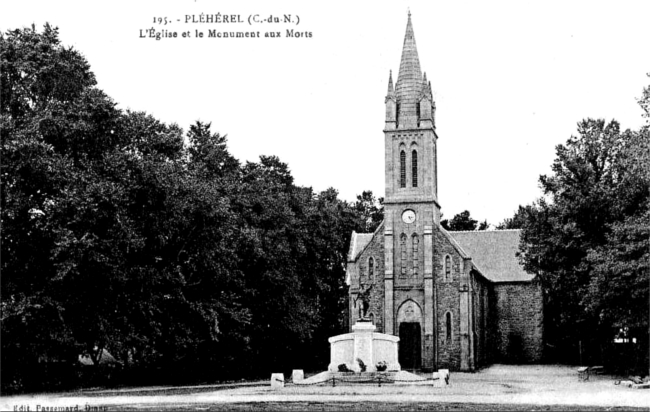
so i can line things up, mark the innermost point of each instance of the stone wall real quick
(482, 336)
(518, 330)
(447, 300)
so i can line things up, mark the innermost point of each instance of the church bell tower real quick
(411, 205)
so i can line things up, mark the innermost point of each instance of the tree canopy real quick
(463, 221)
(121, 232)
(589, 241)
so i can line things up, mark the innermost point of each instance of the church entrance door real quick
(410, 345)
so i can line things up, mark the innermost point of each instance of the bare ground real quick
(500, 387)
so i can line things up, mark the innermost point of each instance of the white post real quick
(297, 375)
(277, 380)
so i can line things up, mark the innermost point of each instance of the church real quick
(456, 300)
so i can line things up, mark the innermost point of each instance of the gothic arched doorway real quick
(409, 318)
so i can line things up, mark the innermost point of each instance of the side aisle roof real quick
(494, 252)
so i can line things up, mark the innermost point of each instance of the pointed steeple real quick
(409, 81)
(390, 104)
(425, 86)
(410, 75)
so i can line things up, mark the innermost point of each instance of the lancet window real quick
(402, 245)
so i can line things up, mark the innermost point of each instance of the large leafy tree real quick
(37, 72)
(54, 127)
(578, 237)
(618, 288)
(112, 235)
(123, 233)
(293, 257)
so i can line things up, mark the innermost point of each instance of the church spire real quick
(410, 152)
(409, 81)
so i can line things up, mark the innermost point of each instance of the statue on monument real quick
(364, 297)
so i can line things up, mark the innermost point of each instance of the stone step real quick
(439, 379)
(364, 376)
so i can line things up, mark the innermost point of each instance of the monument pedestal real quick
(365, 344)
(363, 332)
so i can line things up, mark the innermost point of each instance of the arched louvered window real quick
(414, 167)
(402, 169)
(447, 268)
(415, 249)
(402, 245)
(371, 269)
(448, 326)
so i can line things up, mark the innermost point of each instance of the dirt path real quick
(501, 387)
(377, 406)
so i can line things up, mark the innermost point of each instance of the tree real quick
(37, 71)
(371, 211)
(618, 295)
(55, 125)
(463, 221)
(109, 237)
(595, 196)
(123, 233)
(557, 240)
(518, 220)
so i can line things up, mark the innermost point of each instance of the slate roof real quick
(409, 79)
(494, 253)
(359, 242)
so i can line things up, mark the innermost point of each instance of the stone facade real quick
(457, 300)
(483, 319)
(519, 327)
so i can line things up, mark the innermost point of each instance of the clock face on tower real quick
(408, 216)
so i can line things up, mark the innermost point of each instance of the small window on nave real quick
(402, 244)
(448, 326)
(447, 268)
(371, 269)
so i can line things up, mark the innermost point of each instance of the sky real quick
(511, 80)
